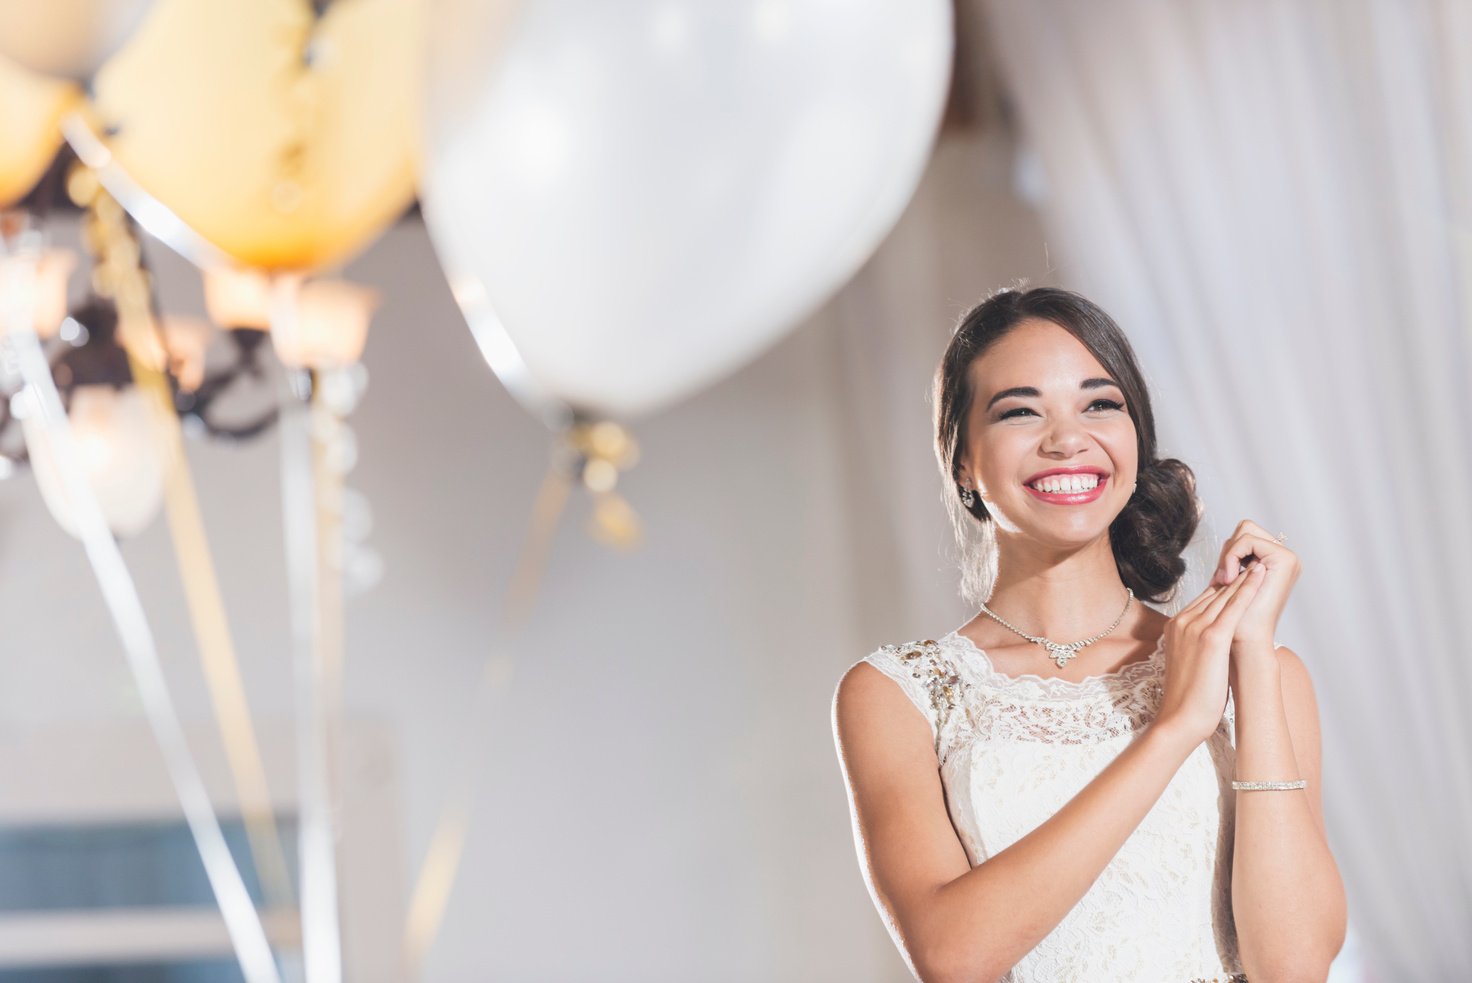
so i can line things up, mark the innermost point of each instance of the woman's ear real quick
(964, 479)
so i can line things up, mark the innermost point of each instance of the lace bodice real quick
(1013, 750)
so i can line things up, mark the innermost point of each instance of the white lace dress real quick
(1013, 750)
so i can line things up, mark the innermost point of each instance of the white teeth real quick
(1067, 483)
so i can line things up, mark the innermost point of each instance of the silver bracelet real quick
(1267, 786)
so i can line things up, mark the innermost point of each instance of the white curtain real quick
(1275, 200)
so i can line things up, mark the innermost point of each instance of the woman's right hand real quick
(1198, 643)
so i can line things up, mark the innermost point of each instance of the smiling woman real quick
(986, 416)
(1027, 822)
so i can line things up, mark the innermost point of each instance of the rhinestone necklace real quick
(1058, 652)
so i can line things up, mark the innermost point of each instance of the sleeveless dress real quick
(1013, 750)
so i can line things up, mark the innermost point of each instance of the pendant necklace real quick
(1057, 651)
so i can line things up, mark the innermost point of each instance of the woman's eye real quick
(1108, 404)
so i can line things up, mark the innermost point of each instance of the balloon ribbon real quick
(311, 504)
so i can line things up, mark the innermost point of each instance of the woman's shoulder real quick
(926, 666)
(925, 670)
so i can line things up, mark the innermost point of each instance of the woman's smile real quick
(1068, 486)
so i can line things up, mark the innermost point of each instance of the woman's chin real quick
(1068, 534)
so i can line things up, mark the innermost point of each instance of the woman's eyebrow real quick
(1096, 383)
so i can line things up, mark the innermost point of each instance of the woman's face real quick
(1043, 403)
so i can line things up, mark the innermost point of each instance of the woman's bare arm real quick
(953, 922)
(1287, 896)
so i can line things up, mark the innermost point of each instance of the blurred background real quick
(454, 447)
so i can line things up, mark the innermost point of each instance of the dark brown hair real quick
(1152, 532)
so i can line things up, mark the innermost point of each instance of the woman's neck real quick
(1063, 596)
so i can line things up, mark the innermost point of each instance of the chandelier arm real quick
(242, 431)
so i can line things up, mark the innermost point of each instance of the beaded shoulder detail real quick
(938, 673)
(931, 676)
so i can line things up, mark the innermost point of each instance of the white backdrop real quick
(1275, 199)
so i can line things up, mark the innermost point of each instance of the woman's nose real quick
(1063, 437)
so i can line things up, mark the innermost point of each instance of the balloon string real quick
(217, 650)
(201, 586)
(23, 355)
(153, 215)
(441, 864)
(546, 510)
(328, 482)
(312, 590)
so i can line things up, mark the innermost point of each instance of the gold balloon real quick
(31, 108)
(287, 142)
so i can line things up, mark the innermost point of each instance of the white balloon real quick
(638, 197)
(120, 438)
(67, 38)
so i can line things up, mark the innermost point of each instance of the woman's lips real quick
(1070, 498)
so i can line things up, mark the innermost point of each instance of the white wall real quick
(660, 797)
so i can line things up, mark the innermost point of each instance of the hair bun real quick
(1155, 528)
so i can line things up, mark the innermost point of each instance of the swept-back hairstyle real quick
(1152, 532)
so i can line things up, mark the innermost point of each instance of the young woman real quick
(1072, 786)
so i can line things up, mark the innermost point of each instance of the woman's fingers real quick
(1201, 600)
(1231, 613)
(1197, 607)
(1229, 562)
(1249, 539)
(1224, 596)
(1219, 575)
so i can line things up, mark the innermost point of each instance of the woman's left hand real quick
(1259, 623)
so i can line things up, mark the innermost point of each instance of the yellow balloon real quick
(31, 109)
(286, 142)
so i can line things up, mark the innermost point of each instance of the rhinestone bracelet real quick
(1267, 786)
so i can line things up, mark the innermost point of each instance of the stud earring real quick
(968, 497)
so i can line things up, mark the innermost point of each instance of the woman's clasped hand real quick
(1198, 648)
